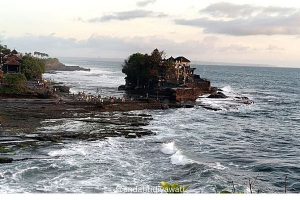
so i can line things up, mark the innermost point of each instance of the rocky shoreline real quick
(53, 64)
(24, 122)
(25, 118)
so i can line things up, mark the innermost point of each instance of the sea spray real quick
(179, 159)
(169, 148)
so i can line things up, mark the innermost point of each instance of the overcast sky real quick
(244, 31)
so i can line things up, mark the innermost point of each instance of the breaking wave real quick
(233, 102)
(169, 148)
(177, 157)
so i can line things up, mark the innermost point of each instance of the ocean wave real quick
(67, 152)
(218, 165)
(177, 157)
(233, 102)
(227, 89)
(169, 148)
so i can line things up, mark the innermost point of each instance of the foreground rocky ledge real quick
(27, 123)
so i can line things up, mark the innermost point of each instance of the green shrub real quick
(33, 68)
(15, 83)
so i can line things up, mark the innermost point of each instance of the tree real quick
(32, 68)
(39, 54)
(136, 70)
(6, 51)
(143, 70)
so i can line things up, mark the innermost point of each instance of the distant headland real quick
(53, 64)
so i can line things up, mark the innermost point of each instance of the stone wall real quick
(188, 94)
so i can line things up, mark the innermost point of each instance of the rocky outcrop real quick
(5, 160)
(217, 95)
(187, 94)
(244, 100)
(62, 88)
(53, 64)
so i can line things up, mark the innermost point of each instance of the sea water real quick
(209, 151)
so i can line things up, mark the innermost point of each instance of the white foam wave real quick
(79, 81)
(227, 88)
(169, 148)
(219, 166)
(233, 102)
(67, 152)
(179, 159)
(65, 125)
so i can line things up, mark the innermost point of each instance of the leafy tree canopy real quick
(4, 50)
(32, 68)
(143, 70)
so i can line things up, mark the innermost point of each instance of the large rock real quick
(131, 135)
(218, 95)
(122, 87)
(62, 88)
(5, 160)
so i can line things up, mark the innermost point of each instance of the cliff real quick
(53, 64)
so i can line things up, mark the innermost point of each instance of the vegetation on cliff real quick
(33, 68)
(17, 69)
(15, 84)
(145, 71)
(4, 50)
(53, 64)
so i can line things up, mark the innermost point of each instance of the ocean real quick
(209, 151)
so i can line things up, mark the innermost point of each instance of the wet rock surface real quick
(31, 123)
(218, 95)
(5, 160)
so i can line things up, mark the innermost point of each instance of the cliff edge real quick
(53, 64)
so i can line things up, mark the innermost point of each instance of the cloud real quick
(230, 10)
(145, 3)
(114, 47)
(209, 48)
(127, 15)
(243, 20)
(235, 48)
(274, 48)
(78, 19)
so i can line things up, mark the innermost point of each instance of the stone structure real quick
(179, 84)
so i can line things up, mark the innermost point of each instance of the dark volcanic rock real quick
(244, 100)
(62, 88)
(218, 95)
(122, 87)
(131, 135)
(6, 160)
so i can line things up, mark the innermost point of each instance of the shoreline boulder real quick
(5, 160)
(217, 95)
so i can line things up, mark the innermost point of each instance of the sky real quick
(246, 31)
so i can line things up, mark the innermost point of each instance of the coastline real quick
(21, 121)
(53, 65)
